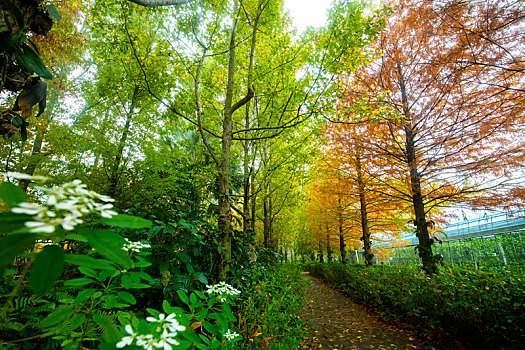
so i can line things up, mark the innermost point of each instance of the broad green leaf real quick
(126, 221)
(201, 277)
(183, 345)
(198, 305)
(77, 282)
(190, 268)
(87, 271)
(154, 231)
(111, 331)
(23, 131)
(60, 314)
(13, 245)
(108, 244)
(104, 274)
(33, 45)
(192, 336)
(12, 194)
(10, 222)
(126, 281)
(77, 320)
(18, 121)
(128, 297)
(36, 63)
(111, 300)
(88, 261)
(223, 321)
(22, 61)
(183, 296)
(153, 312)
(74, 345)
(76, 237)
(53, 13)
(136, 285)
(84, 294)
(228, 312)
(143, 275)
(166, 306)
(46, 269)
(215, 344)
(204, 339)
(203, 314)
(142, 263)
(171, 309)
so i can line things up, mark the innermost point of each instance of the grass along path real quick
(335, 322)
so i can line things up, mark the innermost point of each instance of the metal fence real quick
(485, 251)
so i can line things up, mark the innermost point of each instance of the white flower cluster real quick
(223, 290)
(135, 247)
(167, 331)
(65, 206)
(229, 335)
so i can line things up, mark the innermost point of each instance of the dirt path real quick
(335, 322)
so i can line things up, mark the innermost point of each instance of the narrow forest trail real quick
(335, 322)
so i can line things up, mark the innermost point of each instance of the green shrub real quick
(485, 307)
(268, 315)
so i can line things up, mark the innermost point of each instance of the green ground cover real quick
(482, 308)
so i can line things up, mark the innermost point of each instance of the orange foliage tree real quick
(326, 212)
(377, 209)
(458, 89)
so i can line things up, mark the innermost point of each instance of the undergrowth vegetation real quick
(484, 309)
(76, 275)
(269, 311)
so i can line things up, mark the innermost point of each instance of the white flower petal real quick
(42, 228)
(129, 329)
(29, 211)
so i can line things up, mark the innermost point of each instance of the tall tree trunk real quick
(114, 176)
(363, 209)
(266, 223)
(267, 218)
(328, 245)
(224, 220)
(425, 245)
(321, 255)
(246, 224)
(35, 158)
(273, 244)
(342, 244)
(253, 203)
(246, 194)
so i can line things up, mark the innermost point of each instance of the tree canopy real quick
(385, 116)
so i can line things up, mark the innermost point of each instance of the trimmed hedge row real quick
(485, 309)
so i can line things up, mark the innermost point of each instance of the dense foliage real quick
(485, 309)
(105, 279)
(183, 147)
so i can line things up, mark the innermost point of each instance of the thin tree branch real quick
(160, 3)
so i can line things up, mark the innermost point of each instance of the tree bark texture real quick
(34, 160)
(342, 244)
(328, 245)
(425, 244)
(115, 172)
(224, 220)
(36, 22)
(363, 209)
